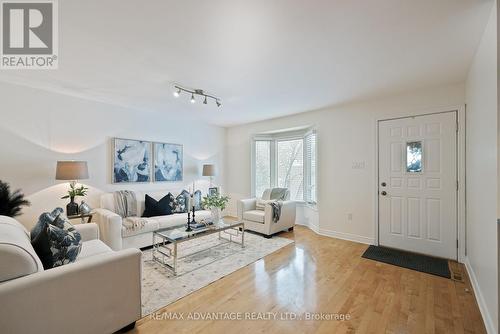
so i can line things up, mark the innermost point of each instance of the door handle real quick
(383, 193)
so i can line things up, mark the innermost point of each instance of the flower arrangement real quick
(75, 191)
(215, 201)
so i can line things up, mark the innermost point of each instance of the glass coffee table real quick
(165, 241)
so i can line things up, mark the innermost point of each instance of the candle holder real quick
(189, 229)
(193, 221)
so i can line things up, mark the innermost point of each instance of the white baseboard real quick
(347, 236)
(488, 322)
(338, 235)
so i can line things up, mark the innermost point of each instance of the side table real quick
(82, 217)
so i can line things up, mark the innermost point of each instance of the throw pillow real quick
(55, 240)
(179, 203)
(261, 204)
(197, 200)
(154, 208)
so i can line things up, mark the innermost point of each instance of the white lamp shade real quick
(72, 170)
(208, 170)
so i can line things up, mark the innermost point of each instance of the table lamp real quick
(72, 171)
(209, 170)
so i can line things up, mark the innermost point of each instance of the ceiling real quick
(264, 58)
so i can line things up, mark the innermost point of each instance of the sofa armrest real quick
(110, 228)
(246, 205)
(287, 217)
(288, 212)
(100, 294)
(88, 231)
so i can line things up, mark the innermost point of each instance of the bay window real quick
(285, 160)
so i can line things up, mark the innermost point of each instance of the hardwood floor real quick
(325, 275)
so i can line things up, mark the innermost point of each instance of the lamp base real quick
(72, 208)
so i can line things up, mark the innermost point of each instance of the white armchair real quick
(261, 221)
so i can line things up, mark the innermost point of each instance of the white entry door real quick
(418, 184)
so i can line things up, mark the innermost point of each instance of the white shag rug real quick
(208, 259)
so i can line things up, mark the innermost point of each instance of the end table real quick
(82, 217)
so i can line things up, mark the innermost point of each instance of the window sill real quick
(307, 205)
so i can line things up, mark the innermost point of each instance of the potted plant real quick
(215, 203)
(11, 203)
(74, 191)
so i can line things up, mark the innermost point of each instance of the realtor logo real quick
(29, 34)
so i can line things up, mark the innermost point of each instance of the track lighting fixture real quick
(178, 90)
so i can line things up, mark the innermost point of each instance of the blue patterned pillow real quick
(178, 205)
(197, 200)
(55, 240)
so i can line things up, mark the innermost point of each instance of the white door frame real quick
(461, 199)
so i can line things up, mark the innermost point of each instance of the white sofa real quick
(99, 293)
(116, 236)
(261, 221)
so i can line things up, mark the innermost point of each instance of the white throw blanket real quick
(126, 207)
(125, 203)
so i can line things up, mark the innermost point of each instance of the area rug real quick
(204, 260)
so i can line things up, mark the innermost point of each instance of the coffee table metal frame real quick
(165, 247)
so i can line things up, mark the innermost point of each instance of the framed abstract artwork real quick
(131, 161)
(168, 162)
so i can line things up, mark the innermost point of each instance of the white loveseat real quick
(99, 293)
(116, 236)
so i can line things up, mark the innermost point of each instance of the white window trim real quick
(274, 139)
(307, 170)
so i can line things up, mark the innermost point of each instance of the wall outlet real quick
(349, 217)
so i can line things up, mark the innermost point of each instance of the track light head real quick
(178, 90)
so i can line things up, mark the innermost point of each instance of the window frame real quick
(274, 138)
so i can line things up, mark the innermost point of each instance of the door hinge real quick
(457, 127)
(457, 185)
(457, 243)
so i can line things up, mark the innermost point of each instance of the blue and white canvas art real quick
(131, 161)
(167, 162)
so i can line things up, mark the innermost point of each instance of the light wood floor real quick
(320, 274)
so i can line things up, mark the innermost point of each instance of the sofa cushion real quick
(154, 208)
(55, 240)
(92, 248)
(151, 224)
(17, 256)
(254, 215)
(11, 221)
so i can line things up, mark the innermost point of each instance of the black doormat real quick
(418, 262)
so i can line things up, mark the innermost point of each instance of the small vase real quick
(72, 207)
(84, 208)
(215, 214)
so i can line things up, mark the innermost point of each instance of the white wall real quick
(346, 134)
(38, 128)
(482, 151)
